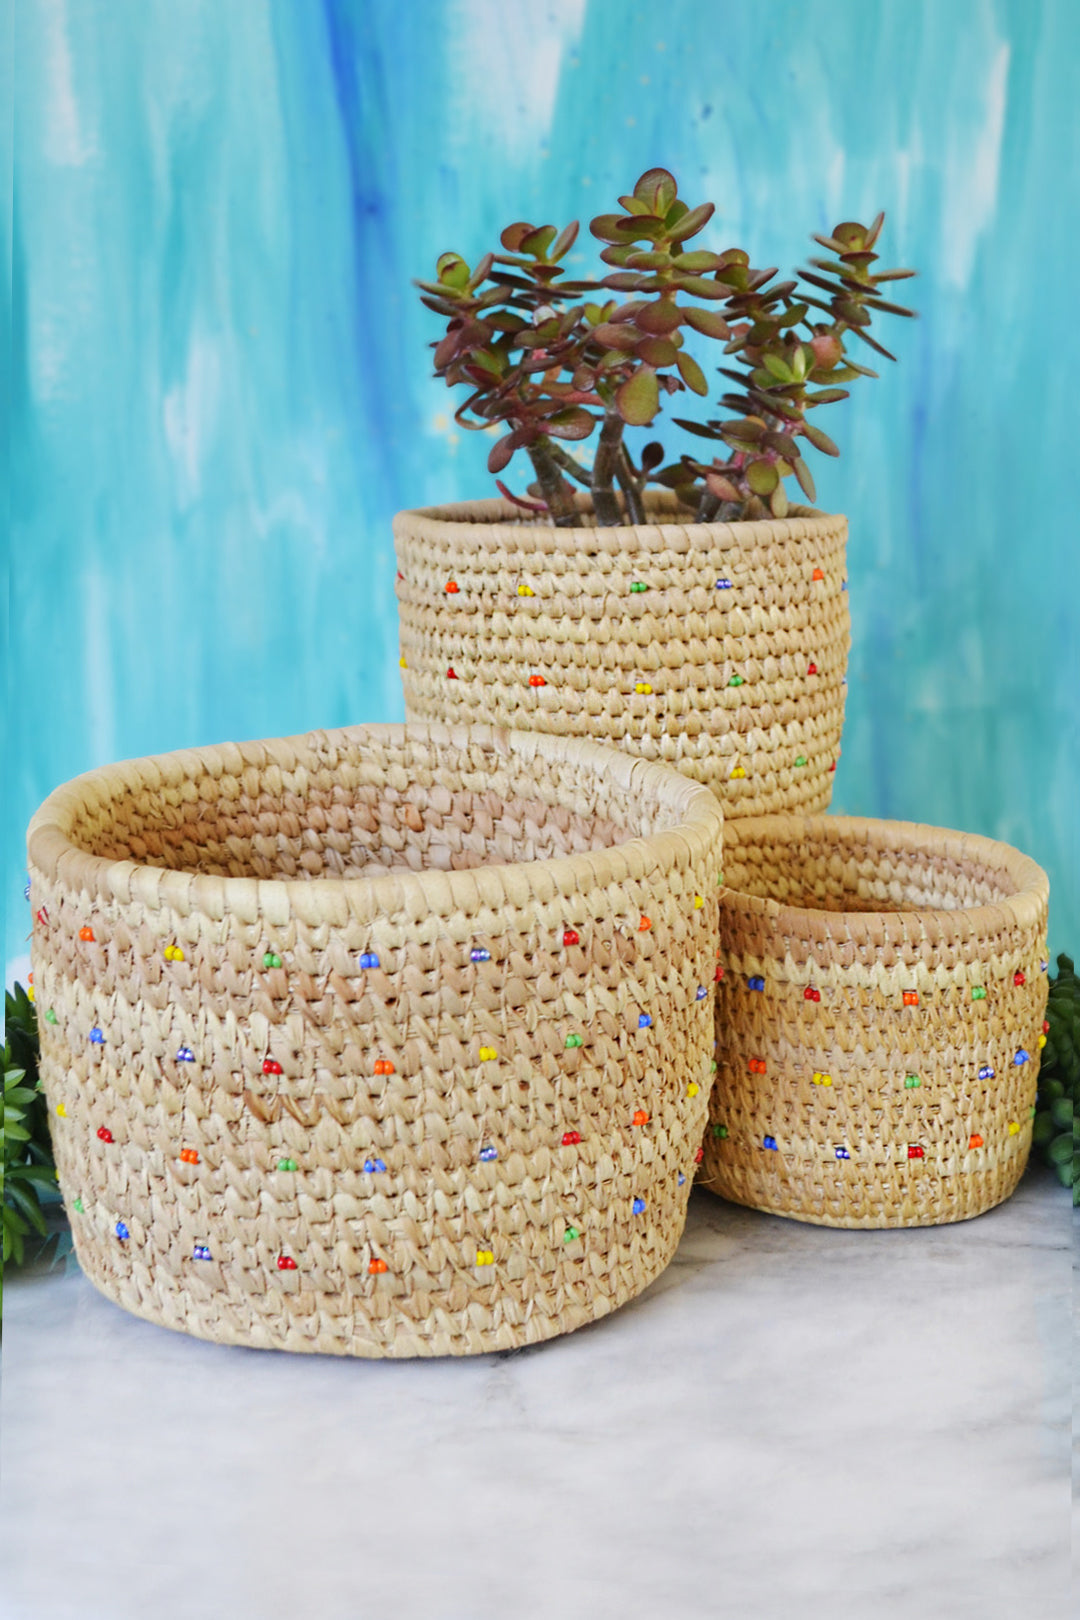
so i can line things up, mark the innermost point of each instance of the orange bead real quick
(757, 1065)
(383, 1066)
(911, 998)
(644, 925)
(537, 680)
(189, 1156)
(86, 933)
(377, 1267)
(452, 587)
(640, 1117)
(818, 574)
(975, 1141)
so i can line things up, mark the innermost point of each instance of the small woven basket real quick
(879, 1021)
(390, 1041)
(717, 648)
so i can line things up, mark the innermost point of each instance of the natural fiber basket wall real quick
(718, 648)
(879, 1021)
(389, 1041)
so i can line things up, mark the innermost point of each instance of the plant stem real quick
(568, 464)
(631, 488)
(553, 486)
(708, 506)
(605, 462)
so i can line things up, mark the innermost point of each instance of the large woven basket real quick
(392, 1041)
(879, 1021)
(717, 648)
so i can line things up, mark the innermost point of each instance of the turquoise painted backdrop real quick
(221, 389)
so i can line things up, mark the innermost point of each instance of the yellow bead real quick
(485, 1257)
(698, 902)
(738, 772)
(1013, 1128)
(30, 993)
(692, 1089)
(1042, 1041)
(487, 1053)
(403, 664)
(61, 1110)
(642, 686)
(822, 1079)
(526, 590)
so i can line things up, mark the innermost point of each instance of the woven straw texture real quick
(717, 648)
(879, 1021)
(391, 1041)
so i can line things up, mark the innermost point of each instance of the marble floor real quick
(791, 1423)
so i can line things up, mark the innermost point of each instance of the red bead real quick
(812, 669)
(42, 916)
(571, 937)
(537, 680)
(452, 587)
(699, 1155)
(271, 1066)
(1046, 1026)
(450, 674)
(571, 1138)
(1019, 978)
(719, 974)
(810, 994)
(832, 767)
(285, 1262)
(105, 1134)
(915, 1153)
(757, 1065)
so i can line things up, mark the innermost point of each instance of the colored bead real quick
(450, 674)
(571, 937)
(818, 574)
(801, 760)
(104, 1133)
(911, 998)
(488, 1054)
(574, 1040)
(911, 1081)
(571, 1234)
(978, 992)
(571, 1138)
(526, 590)
(698, 902)
(810, 994)
(755, 982)
(286, 1164)
(915, 1153)
(975, 1141)
(50, 1017)
(1019, 978)
(479, 955)
(819, 1079)
(374, 1167)
(700, 993)
(487, 1154)
(86, 933)
(26, 892)
(640, 1117)
(537, 680)
(986, 1072)
(78, 1206)
(368, 960)
(638, 585)
(485, 1257)
(1046, 1026)
(1043, 966)
(42, 916)
(384, 1066)
(1021, 1057)
(642, 687)
(737, 773)
(699, 1155)
(736, 680)
(1042, 1042)
(832, 767)
(185, 1055)
(96, 1037)
(31, 994)
(403, 664)
(756, 1065)
(638, 1206)
(1013, 1127)
(811, 669)
(285, 1262)
(644, 1020)
(718, 975)
(692, 1089)
(61, 1110)
(682, 1179)
(271, 960)
(843, 587)
(200, 1252)
(842, 1153)
(770, 1143)
(271, 1066)
(452, 587)
(723, 584)
(122, 1232)
(720, 1132)
(376, 1267)
(188, 1156)
(644, 925)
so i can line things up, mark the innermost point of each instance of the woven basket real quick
(391, 1041)
(717, 648)
(879, 1021)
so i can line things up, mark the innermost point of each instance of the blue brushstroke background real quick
(220, 383)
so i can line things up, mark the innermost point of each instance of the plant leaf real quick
(658, 189)
(692, 374)
(659, 318)
(762, 477)
(694, 220)
(708, 321)
(819, 440)
(638, 399)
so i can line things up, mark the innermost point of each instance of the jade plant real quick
(1057, 1118)
(28, 1171)
(550, 360)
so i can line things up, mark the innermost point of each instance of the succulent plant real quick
(1057, 1118)
(555, 360)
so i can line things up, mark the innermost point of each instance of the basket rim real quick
(1023, 907)
(492, 518)
(403, 896)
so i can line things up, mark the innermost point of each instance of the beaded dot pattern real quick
(739, 644)
(897, 1095)
(335, 1115)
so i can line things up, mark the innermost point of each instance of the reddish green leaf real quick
(778, 502)
(605, 227)
(692, 374)
(638, 399)
(452, 270)
(570, 424)
(616, 335)
(658, 189)
(694, 220)
(658, 351)
(515, 234)
(806, 480)
(762, 477)
(659, 318)
(819, 440)
(699, 260)
(721, 487)
(708, 321)
(565, 240)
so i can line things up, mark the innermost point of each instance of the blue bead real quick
(844, 586)
(201, 1252)
(185, 1055)
(26, 892)
(986, 1072)
(488, 1153)
(682, 1178)
(1021, 1056)
(639, 1206)
(369, 960)
(770, 1142)
(479, 955)
(723, 584)
(644, 1020)
(842, 1153)
(1043, 966)
(97, 1037)
(755, 982)
(701, 993)
(122, 1232)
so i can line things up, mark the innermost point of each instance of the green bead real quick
(638, 585)
(911, 1081)
(574, 1040)
(978, 993)
(78, 1206)
(712, 1066)
(720, 1132)
(50, 1017)
(286, 1164)
(736, 680)
(801, 760)
(271, 960)
(570, 1234)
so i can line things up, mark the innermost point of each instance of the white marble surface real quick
(791, 1423)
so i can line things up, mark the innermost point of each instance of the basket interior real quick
(347, 809)
(856, 872)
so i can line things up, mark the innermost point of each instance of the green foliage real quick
(552, 359)
(27, 1159)
(1057, 1114)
